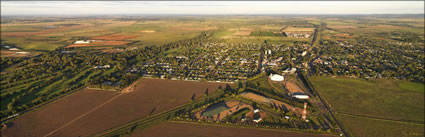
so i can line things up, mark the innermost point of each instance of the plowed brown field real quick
(115, 37)
(87, 112)
(40, 122)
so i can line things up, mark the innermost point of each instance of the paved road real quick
(321, 103)
(323, 106)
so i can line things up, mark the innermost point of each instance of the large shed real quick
(276, 77)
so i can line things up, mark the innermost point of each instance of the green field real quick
(365, 127)
(384, 105)
(215, 109)
(389, 99)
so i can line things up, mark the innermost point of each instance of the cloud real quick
(211, 7)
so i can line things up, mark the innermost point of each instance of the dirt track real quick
(292, 87)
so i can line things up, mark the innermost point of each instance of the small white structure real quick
(101, 67)
(290, 70)
(181, 57)
(82, 42)
(22, 52)
(257, 120)
(268, 52)
(14, 49)
(300, 96)
(276, 77)
(256, 110)
(304, 53)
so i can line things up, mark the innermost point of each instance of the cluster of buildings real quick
(85, 41)
(102, 67)
(212, 61)
(221, 62)
(297, 35)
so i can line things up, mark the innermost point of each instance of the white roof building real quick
(290, 70)
(276, 77)
(22, 52)
(13, 49)
(256, 110)
(304, 53)
(300, 96)
(82, 42)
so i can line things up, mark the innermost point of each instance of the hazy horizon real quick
(10, 8)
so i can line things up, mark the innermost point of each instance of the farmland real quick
(378, 98)
(395, 107)
(54, 115)
(177, 129)
(123, 75)
(366, 127)
(150, 96)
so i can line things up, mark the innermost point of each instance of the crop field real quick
(292, 87)
(115, 37)
(150, 96)
(298, 29)
(382, 105)
(61, 34)
(5, 53)
(256, 97)
(177, 129)
(376, 25)
(378, 98)
(366, 127)
(35, 35)
(54, 115)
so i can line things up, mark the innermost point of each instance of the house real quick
(276, 77)
(290, 70)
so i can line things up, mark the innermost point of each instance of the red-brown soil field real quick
(115, 37)
(100, 43)
(292, 87)
(42, 121)
(174, 129)
(150, 96)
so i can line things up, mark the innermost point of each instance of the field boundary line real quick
(88, 112)
(44, 104)
(380, 119)
(249, 127)
(120, 128)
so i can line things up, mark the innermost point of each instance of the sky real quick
(209, 7)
